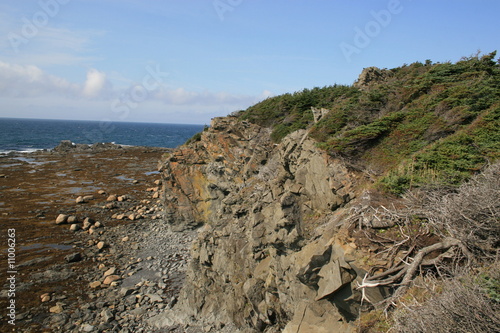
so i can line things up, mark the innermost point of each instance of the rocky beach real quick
(297, 219)
(90, 250)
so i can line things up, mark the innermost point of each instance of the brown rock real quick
(95, 284)
(74, 227)
(112, 198)
(88, 198)
(72, 219)
(110, 271)
(58, 308)
(61, 218)
(45, 297)
(110, 278)
(101, 245)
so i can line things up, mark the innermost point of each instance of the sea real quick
(29, 135)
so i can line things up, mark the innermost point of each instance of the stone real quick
(45, 297)
(74, 227)
(80, 200)
(73, 257)
(126, 291)
(157, 182)
(107, 316)
(112, 197)
(89, 220)
(95, 284)
(98, 224)
(58, 308)
(72, 219)
(110, 271)
(86, 225)
(111, 278)
(154, 298)
(333, 276)
(88, 198)
(101, 245)
(87, 328)
(125, 239)
(101, 192)
(61, 218)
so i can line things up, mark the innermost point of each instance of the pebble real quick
(111, 278)
(58, 308)
(74, 227)
(157, 257)
(45, 297)
(72, 219)
(110, 271)
(112, 197)
(95, 284)
(61, 218)
(73, 257)
(87, 198)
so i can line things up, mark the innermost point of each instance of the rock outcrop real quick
(269, 255)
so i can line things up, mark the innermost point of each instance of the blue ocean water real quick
(35, 134)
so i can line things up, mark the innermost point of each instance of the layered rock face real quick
(269, 256)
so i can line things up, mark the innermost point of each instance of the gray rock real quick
(73, 257)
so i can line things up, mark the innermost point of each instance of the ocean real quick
(28, 135)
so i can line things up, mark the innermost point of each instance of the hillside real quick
(415, 125)
(363, 208)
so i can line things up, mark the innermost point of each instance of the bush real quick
(464, 306)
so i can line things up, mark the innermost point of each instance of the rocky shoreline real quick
(110, 263)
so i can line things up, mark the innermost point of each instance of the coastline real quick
(59, 284)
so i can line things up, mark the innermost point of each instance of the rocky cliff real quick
(271, 254)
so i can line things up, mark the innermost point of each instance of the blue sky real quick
(189, 61)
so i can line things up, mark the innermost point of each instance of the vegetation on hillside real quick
(418, 125)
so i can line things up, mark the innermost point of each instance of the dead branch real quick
(406, 272)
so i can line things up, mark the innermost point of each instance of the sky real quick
(186, 62)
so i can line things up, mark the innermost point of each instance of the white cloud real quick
(23, 81)
(28, 81)
(95, 85)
